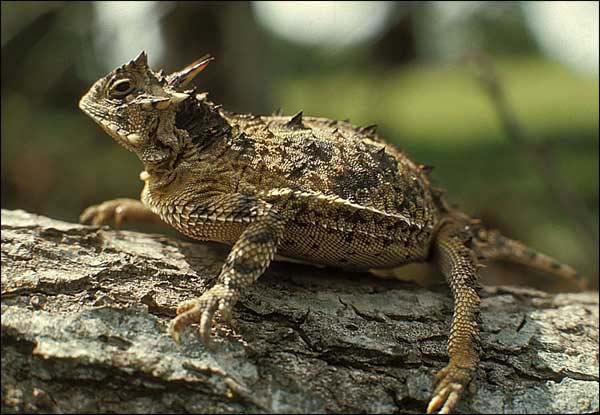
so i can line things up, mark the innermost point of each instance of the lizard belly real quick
(347, 249)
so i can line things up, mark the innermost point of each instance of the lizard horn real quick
(142, 59)
(184, 76)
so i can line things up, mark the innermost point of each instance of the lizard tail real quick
(491, 244)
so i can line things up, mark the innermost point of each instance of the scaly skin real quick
(312, 189)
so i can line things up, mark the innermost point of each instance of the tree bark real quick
(84, 329)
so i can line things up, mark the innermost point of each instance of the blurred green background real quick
(400, 65)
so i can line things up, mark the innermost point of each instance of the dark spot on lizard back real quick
(359, 173)
(201, 122)
(243, 144)
(297, 171)
(348, 184)
(387, 163)
(357, 217)
(320, 150)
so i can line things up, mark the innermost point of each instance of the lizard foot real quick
(451, 382)
(118, 210)
(203, 310)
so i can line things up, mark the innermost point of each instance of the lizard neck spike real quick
(142, 59)
(163, 103)
(296, 121)
(426, 168)
(369, 129)
(177, 97)
(183, 77)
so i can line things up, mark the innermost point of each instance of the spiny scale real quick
(369, 130)
(295, 122)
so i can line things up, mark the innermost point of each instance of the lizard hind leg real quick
(459, 265)
(491, 244)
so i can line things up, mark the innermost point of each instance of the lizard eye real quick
(121, 88)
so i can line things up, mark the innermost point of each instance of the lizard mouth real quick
(122, 137)
(114, 131)
(118, 134)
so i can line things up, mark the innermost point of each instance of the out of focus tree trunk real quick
(239, 77)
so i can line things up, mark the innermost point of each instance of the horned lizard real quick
(314, 189)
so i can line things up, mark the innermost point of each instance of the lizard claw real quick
(451, 381)
(116, 210)
(201, 310)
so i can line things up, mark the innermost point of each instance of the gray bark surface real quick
(84, 329)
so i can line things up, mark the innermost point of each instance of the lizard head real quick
(136, 106)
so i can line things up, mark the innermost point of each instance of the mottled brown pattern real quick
(313, 189)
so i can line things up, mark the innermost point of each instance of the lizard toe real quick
(99, 215)
(117, 210)
(88, 214)
(186, 306)
(201, 310)
(206, 320)
(451, 382)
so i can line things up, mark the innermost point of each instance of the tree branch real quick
(85, 313)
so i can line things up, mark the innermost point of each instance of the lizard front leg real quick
(249, 257)
(459, 264)
(119, 210)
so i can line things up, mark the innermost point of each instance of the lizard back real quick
(358, 201)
